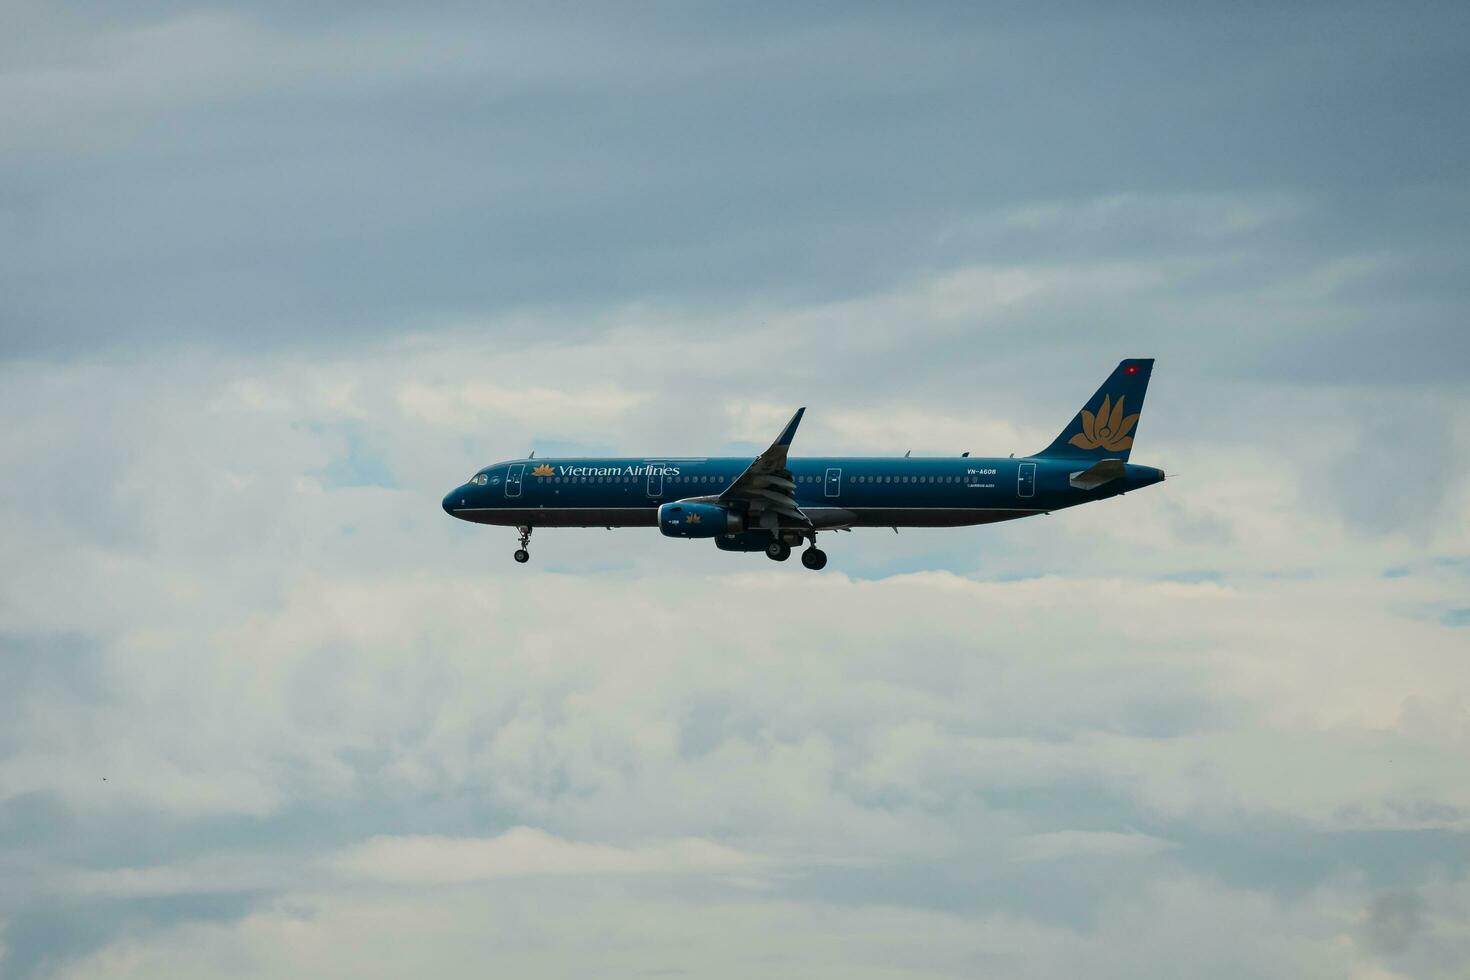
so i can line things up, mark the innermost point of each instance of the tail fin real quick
(1105, 427)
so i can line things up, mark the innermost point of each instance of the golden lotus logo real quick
(692, 519)
(543, 470)
(1108, 429)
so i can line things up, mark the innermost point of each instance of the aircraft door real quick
(834, 481)
(513, 480)
(1026, 480)
(655, 482)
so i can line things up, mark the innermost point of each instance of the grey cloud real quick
(43, 937)
(1402, 470)
(271, 181)
(1393, 921)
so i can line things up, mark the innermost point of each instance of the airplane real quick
(774, 502)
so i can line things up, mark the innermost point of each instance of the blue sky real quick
(272, 280)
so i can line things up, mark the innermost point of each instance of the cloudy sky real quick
(274, 277)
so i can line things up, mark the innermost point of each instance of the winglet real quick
(789, 433)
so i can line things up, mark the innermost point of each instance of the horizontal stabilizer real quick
(1097, 474)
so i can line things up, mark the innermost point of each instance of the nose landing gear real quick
(522, 555)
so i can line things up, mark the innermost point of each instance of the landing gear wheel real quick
(522, 555)
(814, 558)
(778, 551)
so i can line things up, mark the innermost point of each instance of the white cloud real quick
(251, 643)
(1061, 844)
(469, 407)
(523, 852)
(632, 927)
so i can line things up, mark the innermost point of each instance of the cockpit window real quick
(480, 479)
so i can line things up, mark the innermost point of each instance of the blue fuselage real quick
(833, 492)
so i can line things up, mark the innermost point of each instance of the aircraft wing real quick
(766, 486)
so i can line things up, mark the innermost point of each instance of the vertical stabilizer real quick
(1106, 425)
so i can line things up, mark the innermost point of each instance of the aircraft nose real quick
(449, 502)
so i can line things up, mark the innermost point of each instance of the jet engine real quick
(684, 520)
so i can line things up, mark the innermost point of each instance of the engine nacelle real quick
(684, 520)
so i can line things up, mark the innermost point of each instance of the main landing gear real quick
(522, 555)
(813, 557)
